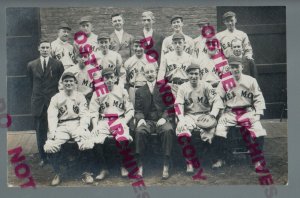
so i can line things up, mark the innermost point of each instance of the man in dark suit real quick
(120, 41)
(44, 74)
(152, 117)
(148, 20)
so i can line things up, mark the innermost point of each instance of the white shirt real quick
(119, 34)
(148, 33)
(42, 61)
(151, 85)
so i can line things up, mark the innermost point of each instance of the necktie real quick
(44, 65)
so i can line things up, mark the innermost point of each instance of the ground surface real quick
(238, 170)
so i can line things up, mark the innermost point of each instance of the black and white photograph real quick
(146, 96)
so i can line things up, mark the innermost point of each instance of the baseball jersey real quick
(173, 66)
(64, 107)
(91, 40)
(63, 51)
(246, 93)
(225, 37)
(208, 70)
(115, 102)
(112, 59)
(199, 47)
(134, 67)
(84, 83)
(167, 45)
(201, 99)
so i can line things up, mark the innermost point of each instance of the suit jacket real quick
(125, 47)
(44, 84)
(157, 42)
(143, 99)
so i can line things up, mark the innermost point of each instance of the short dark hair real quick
(116, 14)
(44, 41)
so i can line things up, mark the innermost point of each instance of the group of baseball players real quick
(71, 110)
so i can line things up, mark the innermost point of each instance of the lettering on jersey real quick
(203, 100)
(229, 96)
(188, 101)
(183, 67)
(116, 104)
(76, 109)
(171, 67)
(247, 94)
(62, 110)
(213, 92)
(203, 71)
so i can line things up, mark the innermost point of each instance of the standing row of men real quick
(124, 64)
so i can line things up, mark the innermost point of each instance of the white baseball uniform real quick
(246, 95)
(68, 117)
(167, 45)
(64, 52)
(225, 37)
(208, 71)
(134, 67)
(196, 101)
(115, 102)
(199, 47)
(92, 40)
(84, 83)
(174, 67)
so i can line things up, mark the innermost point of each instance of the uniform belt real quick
(238, 108)
(108, 117)
(178, 81)
(71, 119)
(135, 86)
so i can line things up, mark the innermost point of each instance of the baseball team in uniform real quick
(71, 109)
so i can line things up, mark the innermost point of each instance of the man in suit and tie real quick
(120, 41)
(148, 20)
(152, 117)
(44, 74)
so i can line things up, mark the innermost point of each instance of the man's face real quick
(230, 23)
(236, 48)
(147, 22)
(44, 49)
(86, 27)
(150, 73)
(194, 76)
(138, 50)
(177, 25)
(117, 22)
(104, 44)
(63, 34)
(69, 83)
(178, 45)
(236, 70)
(110, 80)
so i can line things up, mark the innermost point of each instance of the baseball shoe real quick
(56, 180)
(140, 172)
(87, 178)
(102, 175)
(189, 168)
(218, 164)
(124, 172)
(165, 174)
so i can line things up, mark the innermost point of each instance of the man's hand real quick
(142, 121)
(51, 135)
(161, 122)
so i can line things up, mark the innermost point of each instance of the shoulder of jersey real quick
(249, 78)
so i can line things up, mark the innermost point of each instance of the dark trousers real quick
(41, 128)
(122, 147)
(165, 133)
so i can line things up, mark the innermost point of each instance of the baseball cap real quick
(192, 66)
(68, 74)
(103, 36)
(85, 19)
(234, 60)
(138, 39)
(63, 25)
(228, 14)
(178, 36)
(107, 71)
(176, 17)
(203, 21)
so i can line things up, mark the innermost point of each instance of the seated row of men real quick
(70, 116)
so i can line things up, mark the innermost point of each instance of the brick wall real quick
(51, 17)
